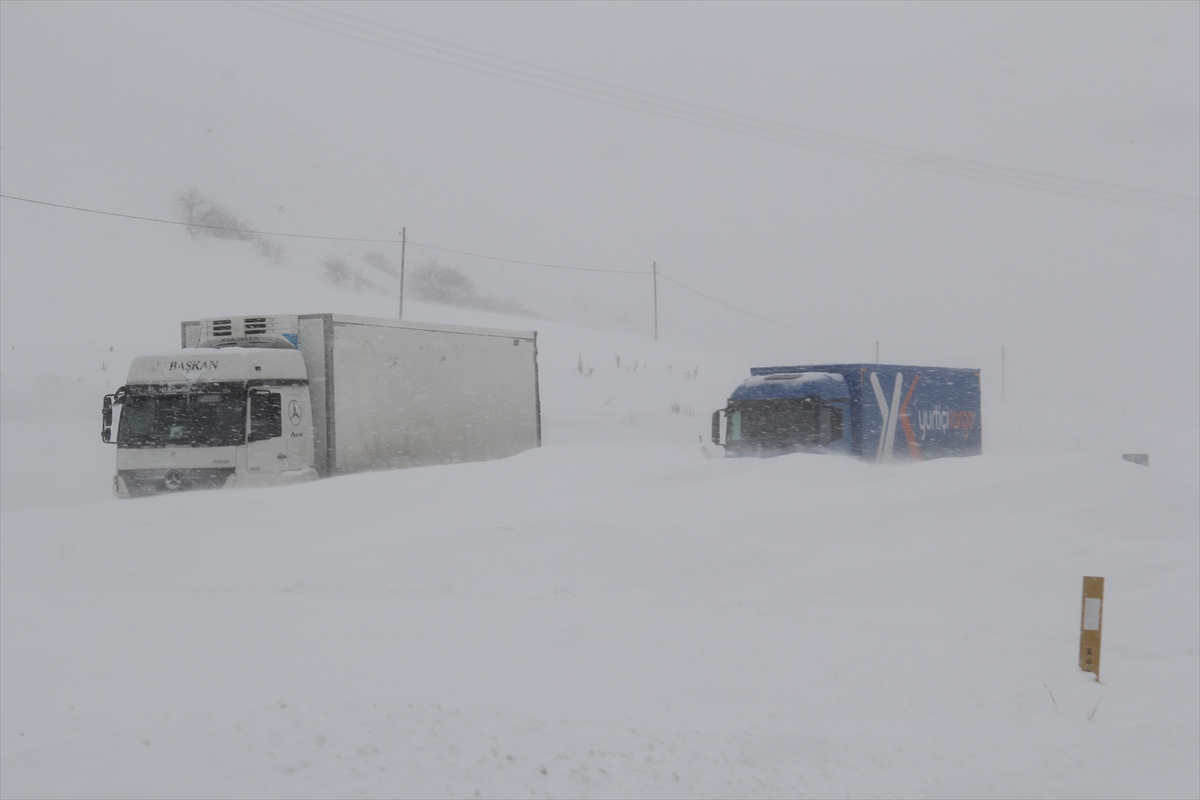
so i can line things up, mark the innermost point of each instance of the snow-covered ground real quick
(622, 612)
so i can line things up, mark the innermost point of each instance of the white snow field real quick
(622, 612)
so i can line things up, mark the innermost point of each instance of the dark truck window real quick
(266, 415)
(200, 419)
(784, 423)
(831, 424)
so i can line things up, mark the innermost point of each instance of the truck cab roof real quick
(226, 364)
(791, 384)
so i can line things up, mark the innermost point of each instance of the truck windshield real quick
(784, 423)
(196, 419)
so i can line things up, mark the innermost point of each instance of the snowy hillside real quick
(622, 612)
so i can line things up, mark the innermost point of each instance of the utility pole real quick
(654, 269)
(1003, 375)
(403, 244)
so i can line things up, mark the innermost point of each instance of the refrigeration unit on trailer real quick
(874, 412)
(262, 401)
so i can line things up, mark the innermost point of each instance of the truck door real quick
(835, 423)
(266, 446)
(297, 427)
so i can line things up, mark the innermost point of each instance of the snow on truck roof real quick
(790, 384)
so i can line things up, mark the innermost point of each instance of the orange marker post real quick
(1090, 625)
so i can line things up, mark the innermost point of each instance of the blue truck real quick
(872, 411)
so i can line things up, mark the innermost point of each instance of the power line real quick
(706, 116)
(479, 255)
(534, 263)
(196, 224)
(324, 238)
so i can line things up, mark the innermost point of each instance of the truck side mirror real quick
(716, 427)
(106, 419)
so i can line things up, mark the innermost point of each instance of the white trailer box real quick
(374, 394)
(387, 394)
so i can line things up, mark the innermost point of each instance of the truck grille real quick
(145, 482)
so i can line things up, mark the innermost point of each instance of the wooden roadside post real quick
(1090, 625)
(403, 245)
(654, 269)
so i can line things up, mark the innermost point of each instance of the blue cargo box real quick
(872, 411)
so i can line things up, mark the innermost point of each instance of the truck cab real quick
(285, 398)
(211, 418)
(874, 412)
(786, 412)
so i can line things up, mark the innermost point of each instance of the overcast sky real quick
(945, 178)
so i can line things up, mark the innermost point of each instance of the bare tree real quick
(337, 271)
(439, 283)
(205, 218)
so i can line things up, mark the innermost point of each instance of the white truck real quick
(274, 400)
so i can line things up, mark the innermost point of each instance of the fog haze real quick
(623, 610)
(302, 124)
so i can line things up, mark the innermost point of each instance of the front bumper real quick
(146, 482)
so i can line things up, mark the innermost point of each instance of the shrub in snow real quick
(439, 283)
(205, 218)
